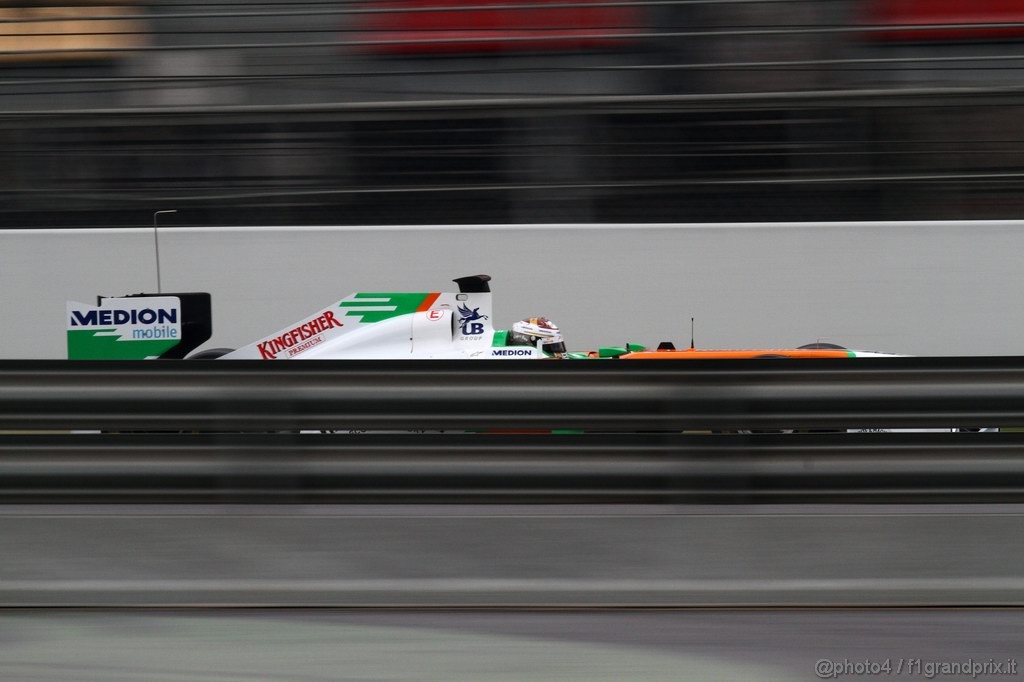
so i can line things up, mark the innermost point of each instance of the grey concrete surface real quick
(317, 645)
(936, 288)
(338, 556)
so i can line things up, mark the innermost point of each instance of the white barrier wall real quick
(936, 288)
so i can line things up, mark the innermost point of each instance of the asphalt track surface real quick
(502, 556)
(200, 645)
(62, 551)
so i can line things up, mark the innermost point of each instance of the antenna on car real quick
(156, 245)
(692, 345)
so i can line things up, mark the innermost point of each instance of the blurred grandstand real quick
(459, 111)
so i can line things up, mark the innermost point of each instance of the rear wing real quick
(138, 326)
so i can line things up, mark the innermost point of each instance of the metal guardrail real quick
(230, 431)
(444, 395)
(230, 437)
(512, 468)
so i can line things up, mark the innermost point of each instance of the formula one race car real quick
(365, 325)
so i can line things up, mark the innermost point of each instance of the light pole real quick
(156, 244)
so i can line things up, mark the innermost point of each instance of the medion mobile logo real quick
(105, 317)
(139, 324)
(283, 342)
(515, 353)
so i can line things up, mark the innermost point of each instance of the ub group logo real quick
(468, 320)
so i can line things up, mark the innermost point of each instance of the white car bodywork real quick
(385, 326)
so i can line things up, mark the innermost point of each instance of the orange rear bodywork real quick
(708, 354)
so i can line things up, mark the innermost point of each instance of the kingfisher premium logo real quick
(300, 338)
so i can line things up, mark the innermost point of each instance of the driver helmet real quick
(539, 332)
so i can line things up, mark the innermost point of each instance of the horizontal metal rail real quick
(512, 468)
(611, 396)
(938, 96)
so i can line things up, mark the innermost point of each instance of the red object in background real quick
(488, 26)
(920, 13)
